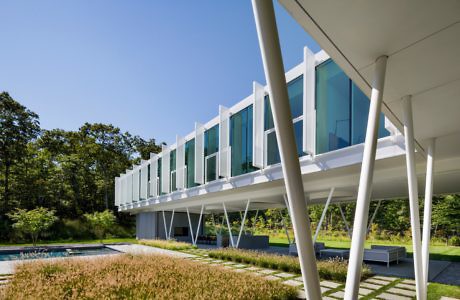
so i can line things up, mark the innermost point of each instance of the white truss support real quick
(323, 215)
(242, 223)
(427, 209)
(229, 226)
(413, 195)
(199, 224)
(190, 225)
(255, 222)
(164, 222)
(345, 221)
(283, 223)
(171, 224)
(373, 216)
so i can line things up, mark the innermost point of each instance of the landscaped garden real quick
(138, 277)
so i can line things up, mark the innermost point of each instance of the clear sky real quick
(152, 68)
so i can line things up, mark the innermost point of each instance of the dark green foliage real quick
(70, 172)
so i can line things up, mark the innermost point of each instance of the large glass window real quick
(332, 108)
(241, 141)
(159, 177)
(359, 114)
(211, 147)
(341, 110)
(190, 163)
(172, 169)
(295, 93)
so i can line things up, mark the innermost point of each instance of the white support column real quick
(318, 228)
(285, 228)
(365, 182)
(427, 210)
(345, 220)
(279, 101)
(171, 224)
(190, 225)
(164, 223)
(373, 216)
(242, 223)
(199, 224)
(228, 225)
(255, 221)
(413, 195)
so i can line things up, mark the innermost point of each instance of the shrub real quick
(454, 241)
(101, 222)
(333, 269)
(169, 245)
(137, 277)
(33, 222)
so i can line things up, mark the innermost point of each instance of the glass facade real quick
(341, 110)
(241, 142)
(172, 170)
(159, 177)
(295, 93)
(211, 147)
(190, 163)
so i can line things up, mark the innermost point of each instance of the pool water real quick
(51, 253)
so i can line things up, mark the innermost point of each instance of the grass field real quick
(437, 252)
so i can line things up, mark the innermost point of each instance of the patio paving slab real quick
(271, 277)
(267, 271)
(339, 294)
(239, 266)
(387, 296)
(284, 275)
(330, 284)
(409, 281)
(253, 269)
(365, 292)
(405, 286)
(370, 286)
(386, 278)
(377, 281)
(293, 283)
(402, 292)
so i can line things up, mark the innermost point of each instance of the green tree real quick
(18, 126)
(101, 222)
(446, 214)
(33, 222)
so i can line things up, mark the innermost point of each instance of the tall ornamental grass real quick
(137, 277)
(332, 269)
(167, 244)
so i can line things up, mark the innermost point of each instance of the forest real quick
(72, 173)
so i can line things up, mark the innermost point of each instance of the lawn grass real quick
(437, 290)
(437, 252)
(55, 242)
(333, 269)
(137, 277)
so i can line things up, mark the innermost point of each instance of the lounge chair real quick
(386, 254)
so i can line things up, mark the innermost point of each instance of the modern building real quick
(402, 55)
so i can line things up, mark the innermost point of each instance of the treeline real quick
(71, 172)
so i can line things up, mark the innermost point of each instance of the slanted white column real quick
(171, 224)
(229, 226)
(427, 210)
(345, 221)
(413, 195)
(365, 182)
(242, 223)
(190, 225)
(274, 73)
(373, 216)
(318, 227)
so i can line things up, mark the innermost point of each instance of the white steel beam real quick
(164, 223)
(190, 225)
(318, 228)
(199, 224)
(365, 182)
(345, 221)
(228, 225)
(427, 210)
(279, 101)
(413, 195)
(242, 223)
(171, 224)
(373, 216)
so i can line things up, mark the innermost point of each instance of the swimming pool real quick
(52, 252)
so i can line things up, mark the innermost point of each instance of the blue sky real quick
(152, 68)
